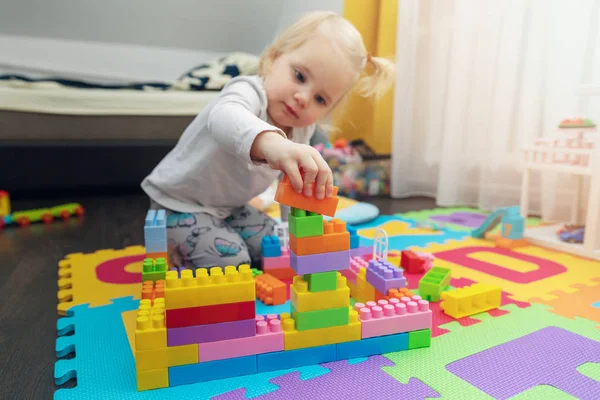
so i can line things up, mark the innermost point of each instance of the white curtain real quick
(478, 79)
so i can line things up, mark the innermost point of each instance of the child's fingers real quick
(329, 185)
(310, 169)
(290, 168)
(322, 177)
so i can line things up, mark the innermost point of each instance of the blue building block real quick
(354, 238)
(211, 370)
(155, 226)
(295, 358)
(156, 247)
(372, 346)
(271, 246)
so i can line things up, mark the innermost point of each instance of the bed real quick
(98, 135)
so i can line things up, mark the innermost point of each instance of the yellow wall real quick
(364, 119)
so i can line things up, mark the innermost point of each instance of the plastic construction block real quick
(354, 238)
(434, 282)
(295, 339)
(411, 262)
(150, 331)
(156, 247)
(154, 270)
(303, 223)
(296, 358)
(158, 254)
(212, 370)
(203, 315)
(287, 196)
(321, 281)
(334, 238)
(281, 273)
(268, 338)
(166, 357)
(303, 300)
(398, 293)
(364, 290)
(281, 261)
(270, 290)
(320, 319)
(271, 246)
(383, 276)
(256, 271)
(220, 287)
(418, 339)
(152, 290)
(469, 300)
(211, 332)
(372, 346)
(396, 316)
(322, 262)
(360, 251)
(152, 379)
(155, 226)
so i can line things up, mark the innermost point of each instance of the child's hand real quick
(297, 161)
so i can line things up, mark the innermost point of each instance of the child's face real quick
(304, 84)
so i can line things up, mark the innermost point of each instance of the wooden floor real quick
(28, 283)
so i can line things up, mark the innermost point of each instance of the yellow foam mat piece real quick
(397, 228)
(525, 272)
(98, 277)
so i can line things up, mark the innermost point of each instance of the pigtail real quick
(377, 77)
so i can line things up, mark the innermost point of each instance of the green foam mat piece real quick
(429, 364)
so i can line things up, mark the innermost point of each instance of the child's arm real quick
(235, 125)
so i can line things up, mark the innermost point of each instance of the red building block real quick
(411, 262)
(203, 315)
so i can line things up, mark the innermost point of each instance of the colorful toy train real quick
(45, 215)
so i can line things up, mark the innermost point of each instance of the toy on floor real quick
(571, 233)
(206, 328)
(45, 215)
(470, 300)
(513, 226)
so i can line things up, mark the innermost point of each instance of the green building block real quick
(321, 318)
(418, 339)
(255, 272)
(303, 223)
(154, 271)
(434, 282)
(321, 281)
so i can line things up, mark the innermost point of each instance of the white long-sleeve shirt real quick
(210, 170)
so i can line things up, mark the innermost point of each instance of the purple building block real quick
(383, 276)
(211, 332)
(322, 262)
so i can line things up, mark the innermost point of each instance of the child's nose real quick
(301, 98)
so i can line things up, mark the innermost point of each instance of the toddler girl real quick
(258, 127)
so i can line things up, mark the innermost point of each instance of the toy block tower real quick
(155, 234)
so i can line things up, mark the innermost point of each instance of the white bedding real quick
(52, 100)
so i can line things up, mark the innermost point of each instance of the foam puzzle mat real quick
(542, 342)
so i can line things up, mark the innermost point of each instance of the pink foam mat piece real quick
(549, 356)
(359, 380)
(211, 332)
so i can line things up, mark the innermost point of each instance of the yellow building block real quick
(294, 339)
(303, 300)
(364, 290)
(153, 379)
(166, 357)
(218, 287)
(470, 300)
(151, 331)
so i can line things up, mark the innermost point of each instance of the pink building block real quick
(283, 261)
(356, 263)
(321, 262)
(429, 259)
(393, 316)
(269, 337)
(211, 332)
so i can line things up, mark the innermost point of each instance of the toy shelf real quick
(577, 157)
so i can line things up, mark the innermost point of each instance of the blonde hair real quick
(368, 82)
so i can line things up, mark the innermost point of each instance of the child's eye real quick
(320, 99)
(299, 76)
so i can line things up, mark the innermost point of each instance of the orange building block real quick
(287, 196)
(153, 290)
(398, 294)
(270, 290)
(335, 238)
